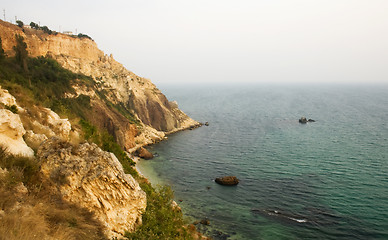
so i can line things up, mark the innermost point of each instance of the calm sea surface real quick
(321, 180)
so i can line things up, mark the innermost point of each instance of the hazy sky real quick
(228, 40)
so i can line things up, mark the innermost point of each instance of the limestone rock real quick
(227, 180)
(34, 140)
(7, 99)
(11, 134)
(94, 179)
(21, 189)
(144, 153)
(61, 127)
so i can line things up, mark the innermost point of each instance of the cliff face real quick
(138, 96)
(81, 174)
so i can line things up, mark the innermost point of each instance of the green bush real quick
(46, 79)
(160, 221)
(20, 169)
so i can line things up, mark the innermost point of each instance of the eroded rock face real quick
(7, 99)
(11, 134)
(120, 86)
(94, 179)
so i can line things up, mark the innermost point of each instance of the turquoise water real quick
(321, 180)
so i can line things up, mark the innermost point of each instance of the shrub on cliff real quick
(21, 53)
(161, 220)
(2, 53)
(20, 23)
(81, 35)
(44, 28)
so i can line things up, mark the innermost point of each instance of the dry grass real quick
(40, 213)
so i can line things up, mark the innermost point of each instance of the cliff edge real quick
(148, 115)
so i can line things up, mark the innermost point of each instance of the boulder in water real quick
(303, 120)
(227, 180)
(144, 153)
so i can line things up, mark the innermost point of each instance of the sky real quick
(228, 41)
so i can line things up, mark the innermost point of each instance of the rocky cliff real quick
(128, 107)
(81, 173)
(93, 179)
(151, 115)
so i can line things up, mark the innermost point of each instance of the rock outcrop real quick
(94, 179)
(144, 153)
(11, 127)
(11, 134)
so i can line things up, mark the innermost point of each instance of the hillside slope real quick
(62, 136)
(148, 115)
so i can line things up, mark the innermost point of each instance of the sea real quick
(326, 179)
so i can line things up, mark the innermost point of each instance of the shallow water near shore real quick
(322, 180)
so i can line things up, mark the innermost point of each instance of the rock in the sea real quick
(227, 180)
(205, 221)
(304, 120)
(94, 179)
(144, 153)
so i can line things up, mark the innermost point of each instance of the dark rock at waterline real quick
(304, 120)
(220, 235)
(144, 153)
(205, 221)
(227, 180)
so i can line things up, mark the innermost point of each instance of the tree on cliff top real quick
(21, 53)
(20, 23)
(2, 53)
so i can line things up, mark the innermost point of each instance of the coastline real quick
(153, 180)
(160, 136)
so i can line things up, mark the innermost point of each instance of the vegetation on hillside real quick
(44, 82)
(161, 220)
(30, 210)
(44, 28)
(2, 53)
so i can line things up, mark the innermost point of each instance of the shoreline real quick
(191, 226)
(163, 136)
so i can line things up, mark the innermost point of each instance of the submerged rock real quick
(227, 180)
